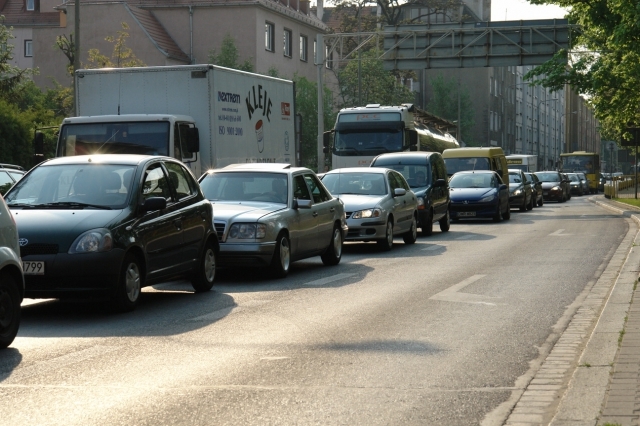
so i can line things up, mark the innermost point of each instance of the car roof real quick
(13, 167)
(129, 159)
(379, 170)
(405, 155)
(258, 167)
(470, 172)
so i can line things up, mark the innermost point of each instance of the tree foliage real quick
(374, 85)
(228, 56)
(307, 107)
(603, 60)
(11, 77)
(121, 56)
(444, 103)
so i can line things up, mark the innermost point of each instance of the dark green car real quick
(104, 226)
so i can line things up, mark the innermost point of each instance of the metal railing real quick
(623, 186)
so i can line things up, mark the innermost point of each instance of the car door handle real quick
(315, 214)
(177, 223)
(332, 209)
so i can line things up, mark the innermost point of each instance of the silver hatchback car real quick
(11, 278)
(270, 215)
(378, 202)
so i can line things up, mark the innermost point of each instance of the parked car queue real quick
(103, 227)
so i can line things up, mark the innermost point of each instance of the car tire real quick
(206, 273)
(333, 253)
(507, 214)
(530, 205)
(387, 242)
(281, 261)
(523, 207)
(411, 236)
(445, 222)
(497, 217)
(541, 202)
(9, 309)
(427, 227)
(129, 285)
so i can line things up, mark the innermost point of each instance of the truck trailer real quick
(204, 115)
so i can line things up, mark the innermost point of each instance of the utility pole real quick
(76, 51)
(320, 64)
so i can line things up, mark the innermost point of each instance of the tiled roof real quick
(158, 34)
(16, 14)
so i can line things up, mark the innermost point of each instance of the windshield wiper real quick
(19, 205)
(73, 204)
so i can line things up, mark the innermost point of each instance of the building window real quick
(28, 48)
(315, 55)
(303, 48)
(287, 43)
(269, 36)
(329, 57)
(31, 4)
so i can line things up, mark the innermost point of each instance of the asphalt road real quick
(435, 333)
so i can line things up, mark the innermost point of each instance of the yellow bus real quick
(585, 162)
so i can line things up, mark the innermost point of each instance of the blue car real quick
(478, 194)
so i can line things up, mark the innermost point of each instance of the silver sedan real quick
(378, 202)
(270, 215)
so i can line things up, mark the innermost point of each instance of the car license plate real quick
(467, 214)
(33, 268)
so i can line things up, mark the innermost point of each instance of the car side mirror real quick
(439, 183)
(301, 204)
(398, 192)
(503, 187)
(153, 204)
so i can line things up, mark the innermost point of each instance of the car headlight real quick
(555, 188)
(93, 241)
(420, 203)
(248, 230)
(487, 199)
(365, 214)
(516, 192)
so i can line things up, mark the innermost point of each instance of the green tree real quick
(444, 103)
(121, 56)
(307, 107)
(11, 77)
(376, 84)
(602, 62)
(228, 56)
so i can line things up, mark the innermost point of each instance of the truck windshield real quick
(147, 138)
(367, 142)
(462, 164)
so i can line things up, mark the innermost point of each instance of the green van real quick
(461, 159)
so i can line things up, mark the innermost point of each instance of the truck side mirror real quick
(193, 140)
(326, 140)
(38, 143)
(413, 139)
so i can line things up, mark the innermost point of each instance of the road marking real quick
(327, 280)
(434, 247)
(452, 294)
(466, 237)
(558, 233)
(273, 358)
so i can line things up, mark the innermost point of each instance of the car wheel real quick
(333, 254)
(129, 286)
(445, 222)
(427, 227)
(281, 261)
(9, 309)
(541, 202)
(498, 216)
(206, 273)
(411, 236)
(530, 205)
(523, 207)
(387, 242)
(507, 214)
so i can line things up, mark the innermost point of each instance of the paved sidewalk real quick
(591, 374)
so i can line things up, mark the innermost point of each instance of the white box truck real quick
(205, 115)
(527, 163)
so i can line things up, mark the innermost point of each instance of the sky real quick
(515, 10)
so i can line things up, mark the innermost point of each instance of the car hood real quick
(549, 185)
(61, 227)
(459, 194)
(234, 211)
(355, 202)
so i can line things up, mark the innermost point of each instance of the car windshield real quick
(472, 180)
(515, 178)
(73, 185)
(548, 177)
(574, 178)
(246, 186)
(415, 172)
(355, 183)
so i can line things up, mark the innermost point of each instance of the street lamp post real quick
(538, 125)
(611, 147)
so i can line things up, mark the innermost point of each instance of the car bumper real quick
(470, 211)
(246, 254)
(552, 195)
(88, 275)
(366, 229)
(516, 200)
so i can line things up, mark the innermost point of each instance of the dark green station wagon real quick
(104, 226)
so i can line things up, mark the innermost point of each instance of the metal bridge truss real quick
(459, 45)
